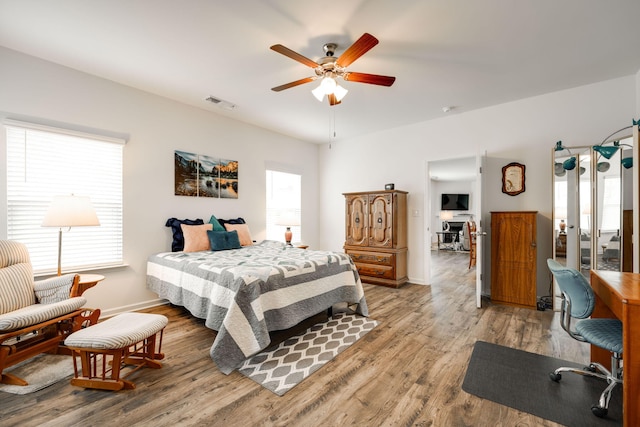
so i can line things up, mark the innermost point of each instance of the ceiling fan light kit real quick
(329, 69)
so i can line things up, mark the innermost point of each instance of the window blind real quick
(43, 162)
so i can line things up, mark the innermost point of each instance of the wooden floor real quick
(406, 372)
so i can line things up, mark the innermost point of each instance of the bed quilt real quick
(246, 293)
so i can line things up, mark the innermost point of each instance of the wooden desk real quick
(618, 295)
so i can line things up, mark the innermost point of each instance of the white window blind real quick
(284, 192)
(43, 162)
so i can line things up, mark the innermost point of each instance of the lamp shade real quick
(70, 211)
(289, 219)
(606, 151)
(446, 215)
(569, 164)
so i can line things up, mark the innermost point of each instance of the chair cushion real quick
(16, 287)
(605, 333)
(120, 331)
(53, 289)
(38, 313)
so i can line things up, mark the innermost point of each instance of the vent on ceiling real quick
(226, 105)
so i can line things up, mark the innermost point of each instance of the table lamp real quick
(289, 219)
(69, 211)
(446, 216)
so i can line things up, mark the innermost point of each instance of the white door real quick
(480, 233)
(427, 226)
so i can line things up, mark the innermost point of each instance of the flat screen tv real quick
(455, 202)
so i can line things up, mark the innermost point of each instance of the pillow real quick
(243, 233)
(216, 224)
(195, 237)
(231, 221)
(222, 240)
(178, 239)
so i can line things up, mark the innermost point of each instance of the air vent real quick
(222, 103)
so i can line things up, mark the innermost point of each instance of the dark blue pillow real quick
(178, 238)
(223, 240)
(231, 221)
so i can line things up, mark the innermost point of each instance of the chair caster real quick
(555, 377)
(599, 411)
(590, 368)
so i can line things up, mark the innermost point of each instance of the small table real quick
(454, 239)
(87, 281)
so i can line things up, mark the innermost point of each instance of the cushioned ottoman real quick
(127, 339)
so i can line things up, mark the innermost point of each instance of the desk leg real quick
(631, 365)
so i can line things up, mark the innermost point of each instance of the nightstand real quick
(87, 281)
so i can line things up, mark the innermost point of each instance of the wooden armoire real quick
(513, 258)
(376, 235)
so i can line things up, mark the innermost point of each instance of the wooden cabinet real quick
(513, 258)
(376, 235)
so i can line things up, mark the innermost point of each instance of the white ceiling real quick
(465, 54)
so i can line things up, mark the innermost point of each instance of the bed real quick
(244, 294)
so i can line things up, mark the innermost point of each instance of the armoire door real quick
(381, 220)
(513, 258)
(357, 224)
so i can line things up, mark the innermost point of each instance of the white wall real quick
(452, 187)
(524, 131)
(32, 89)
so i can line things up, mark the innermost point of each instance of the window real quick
(43, 162)
(283, 201)
(611, 204)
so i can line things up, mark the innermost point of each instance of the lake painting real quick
(205, 176)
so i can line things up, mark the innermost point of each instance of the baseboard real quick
(132, 307)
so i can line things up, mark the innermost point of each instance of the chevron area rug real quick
(282, 368)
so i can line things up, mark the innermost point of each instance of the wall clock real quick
(513, 179)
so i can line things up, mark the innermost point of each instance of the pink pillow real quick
(195, 237)
(243, 233)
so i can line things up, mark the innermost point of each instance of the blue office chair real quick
(578, 301)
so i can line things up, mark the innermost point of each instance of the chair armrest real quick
(55, 289)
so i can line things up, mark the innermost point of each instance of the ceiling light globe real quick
(328, 85)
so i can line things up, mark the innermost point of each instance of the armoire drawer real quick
(374, 270)
(380, 258)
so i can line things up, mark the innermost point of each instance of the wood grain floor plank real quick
(408, 371)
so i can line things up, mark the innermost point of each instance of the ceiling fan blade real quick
(356, 50)
(293, 84)
(294, 55)
(333, 100)
(373, 79)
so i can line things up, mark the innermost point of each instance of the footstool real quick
(125, 339)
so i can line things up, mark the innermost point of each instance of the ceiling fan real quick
(329, 68)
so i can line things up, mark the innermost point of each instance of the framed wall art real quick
(513, 179)
(205, 176)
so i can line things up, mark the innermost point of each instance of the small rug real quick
(282, 368)
(40, 372)
(520, 380)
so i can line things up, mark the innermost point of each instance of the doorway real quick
(449, 179)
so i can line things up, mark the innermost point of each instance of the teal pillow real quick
(223, 240)
(216, 224)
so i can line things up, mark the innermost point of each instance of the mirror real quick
(593, 204)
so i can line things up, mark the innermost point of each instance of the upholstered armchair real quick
(35, 317)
